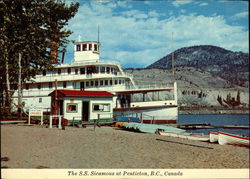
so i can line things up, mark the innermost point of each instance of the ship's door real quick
(85, 111)
(82, 86)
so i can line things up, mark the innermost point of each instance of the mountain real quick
(226, 64)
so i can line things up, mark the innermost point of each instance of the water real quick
(217, 120)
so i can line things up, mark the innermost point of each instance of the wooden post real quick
(141, 118)
(42, 118)
(29, 119)
(50, 122)
(60, 121)
(94, 124)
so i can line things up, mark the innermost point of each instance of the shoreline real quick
(208, 111)
(111, 148)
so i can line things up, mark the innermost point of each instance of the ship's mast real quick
(98, 32)
(173, 56)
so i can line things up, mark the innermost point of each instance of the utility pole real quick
(19, 87)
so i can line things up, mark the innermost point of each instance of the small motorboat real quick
(232, 139)
(213, 136)
(189, 136)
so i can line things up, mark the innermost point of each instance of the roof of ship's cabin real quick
(82, 94)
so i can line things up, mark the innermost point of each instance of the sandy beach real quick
(112, 148)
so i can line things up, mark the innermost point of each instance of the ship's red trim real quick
(78, 93)
(239, 137)
(215, 133)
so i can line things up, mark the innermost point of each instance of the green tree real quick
(36, 29)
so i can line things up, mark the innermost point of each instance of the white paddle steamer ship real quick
(87, 72)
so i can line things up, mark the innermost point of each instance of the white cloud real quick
(178, 3)
(135, 14)
(136, 38)
(124, 4)
(240, 15)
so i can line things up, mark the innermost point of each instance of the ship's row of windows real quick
(87, 47)
(93, 83)
(88, 70)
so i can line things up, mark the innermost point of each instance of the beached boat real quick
(151, 128)
(232, 139)
(213, 136)
(189, 136)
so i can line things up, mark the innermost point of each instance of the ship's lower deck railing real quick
(169, 86)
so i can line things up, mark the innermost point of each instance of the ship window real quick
(50, 85)
(116, 82)
(64, 84)
(78, 47)
(71, 108)
(90, 70)
(101, 82)
(102, 69)
(27, 86)
(101, 107)
(92, 83)
(40, 100)
(59, 71)
(38, 86)
(82, 70)
(81, 85)
(87, 83)
(110, 82)
(96, 69)
(44, 73)
(96, 83)
(69, 70)
(120, 81)
(90, 46)
(108, 69)
(95, 46)
(84, 47)
(76, 71)
(106, 82)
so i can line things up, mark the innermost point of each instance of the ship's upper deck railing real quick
(112, 63)
(65, 76)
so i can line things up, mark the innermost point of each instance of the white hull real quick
(151, 115)
(231, 139)
(213, 137)
(185, 136)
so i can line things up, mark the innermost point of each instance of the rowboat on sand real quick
(232, 139)
(189, 136)
(213, 136)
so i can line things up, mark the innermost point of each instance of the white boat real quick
(232, 139)
(152, 104)
(189, 136)
(213, 136)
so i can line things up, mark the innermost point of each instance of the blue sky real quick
(138, 33)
